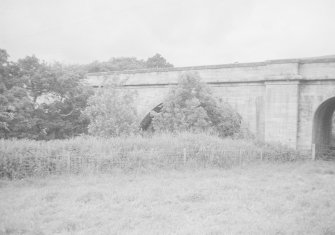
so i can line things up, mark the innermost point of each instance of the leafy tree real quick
(126, 63)
(8, 72)
(43, 101)
(157, 61)
(191, 107)
(40, 101)
(62, 116)
(112, 111)
(15, 113)
(4, 104)
(15, 104)
(116, 64)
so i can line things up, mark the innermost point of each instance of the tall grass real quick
(21, 158)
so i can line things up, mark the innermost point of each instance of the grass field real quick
(281, 198)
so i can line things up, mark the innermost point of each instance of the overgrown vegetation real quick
(82, 155)
(46, 101)
(126, 63)
(188, 107)
(192, 107)
(40, 101)
(111, 111)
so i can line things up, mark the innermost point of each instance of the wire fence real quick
(27, 165)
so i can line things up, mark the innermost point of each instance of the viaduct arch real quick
(290, 101)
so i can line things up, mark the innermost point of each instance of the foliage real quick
(15, 104)
(191, 107)
(116, 64)
(62, 117)
(40, 101)
(22, 158)
(112, 111)
(157, 61)
(127, 63)
(46, 101)
(36, 76)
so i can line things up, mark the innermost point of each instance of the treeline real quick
(127, 63)
(46, 101)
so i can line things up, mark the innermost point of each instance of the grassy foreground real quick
(267, 198)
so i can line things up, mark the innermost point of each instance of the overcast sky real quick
(185, 32)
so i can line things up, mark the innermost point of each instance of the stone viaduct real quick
(289, 101)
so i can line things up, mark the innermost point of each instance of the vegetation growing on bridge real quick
(192, 107)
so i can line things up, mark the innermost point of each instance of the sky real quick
(185, 32)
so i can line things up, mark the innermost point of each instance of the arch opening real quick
(146, 123)
(323, 128)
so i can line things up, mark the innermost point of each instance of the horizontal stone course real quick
(219, 66)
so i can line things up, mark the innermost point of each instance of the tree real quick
(62, 116)
(5, 115)
(191, 107)
(46, 101)
(157, 61)
(15, 113)
(40, 101)
(15, 103)
(36, 76)
(126, 63)
(112, 111)
(116, 64)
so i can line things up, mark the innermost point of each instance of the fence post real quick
(184, 155)
(217, 156)
(240, 157)
(68, 163)
(21, 167)
(313, 152)
(261, 155)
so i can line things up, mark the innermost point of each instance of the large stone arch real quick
(148, 98)
(314, 100)
(322, 124)
(145, 124)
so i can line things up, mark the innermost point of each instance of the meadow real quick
(163, 184)
(263, 198)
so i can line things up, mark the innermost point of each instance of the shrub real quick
(192, 107)
(112, 111)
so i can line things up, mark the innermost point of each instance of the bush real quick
(112, 111)
(191, 107)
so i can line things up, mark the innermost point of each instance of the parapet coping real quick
(218, 66)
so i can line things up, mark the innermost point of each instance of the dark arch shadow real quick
(322, 124)
(145, 124)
